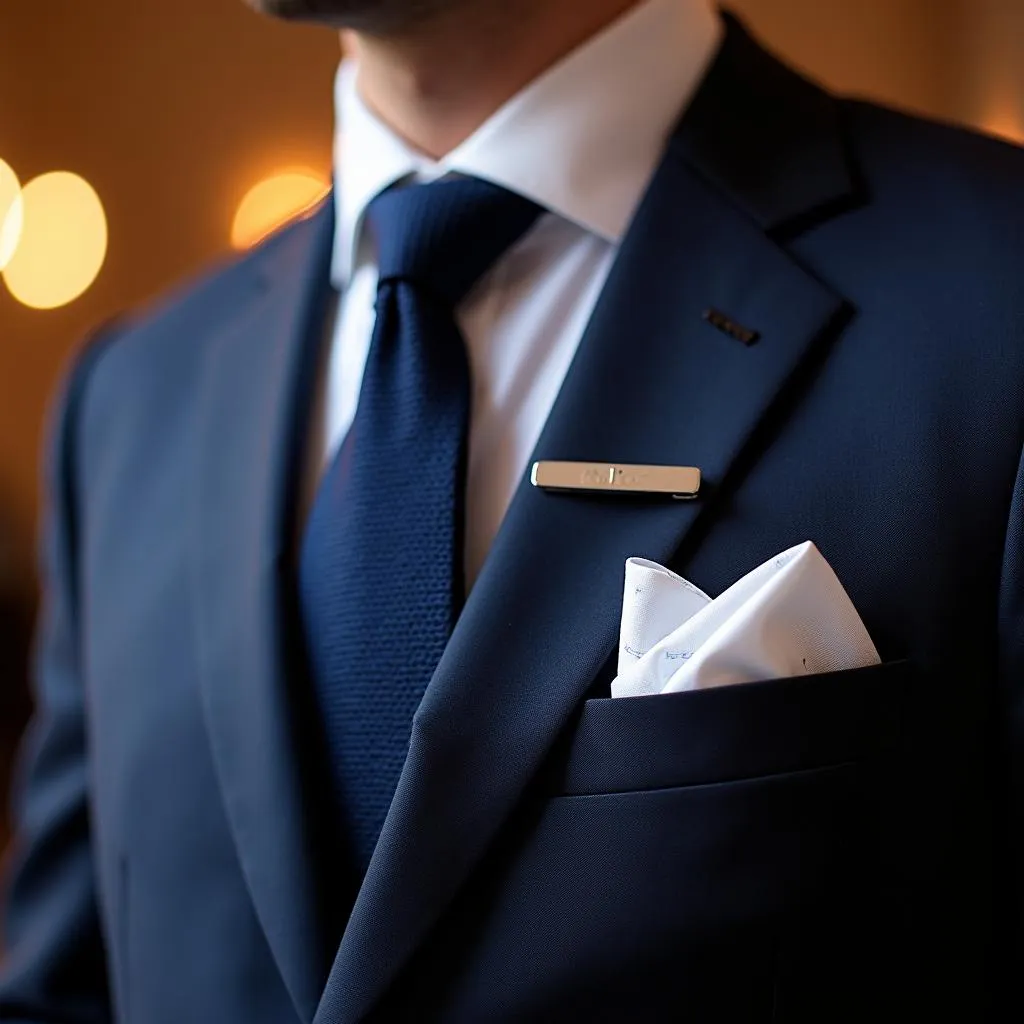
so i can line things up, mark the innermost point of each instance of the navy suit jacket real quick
(816, 849)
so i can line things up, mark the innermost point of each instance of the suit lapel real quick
(653, 382)
(256, 383)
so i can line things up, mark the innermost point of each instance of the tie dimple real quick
(445, 236)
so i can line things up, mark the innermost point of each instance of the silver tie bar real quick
(682, 482)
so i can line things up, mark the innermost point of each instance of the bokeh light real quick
(273, 202)
(63, 241)
(11, 213)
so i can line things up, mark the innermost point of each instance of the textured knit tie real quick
(381, 563)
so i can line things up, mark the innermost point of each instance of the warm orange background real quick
(172, 108)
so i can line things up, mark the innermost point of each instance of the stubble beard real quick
(370, 16)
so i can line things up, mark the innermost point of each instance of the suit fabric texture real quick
(836, 848)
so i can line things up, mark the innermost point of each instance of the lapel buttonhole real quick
(729, 326)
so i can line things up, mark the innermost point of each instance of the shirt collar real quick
(582, 140)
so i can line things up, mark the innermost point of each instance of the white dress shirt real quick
(583, 141)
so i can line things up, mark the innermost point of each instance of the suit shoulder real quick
(934, 158)
(140, 375)
(933, 244)
(937, 207)
(175, 328)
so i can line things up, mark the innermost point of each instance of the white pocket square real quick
(790, 616)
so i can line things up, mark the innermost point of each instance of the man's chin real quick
(368, 15)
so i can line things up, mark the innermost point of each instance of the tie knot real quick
(446, 235)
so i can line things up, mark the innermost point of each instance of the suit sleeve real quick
(53, 967)
(1011, 717)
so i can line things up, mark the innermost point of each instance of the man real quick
(325, 729)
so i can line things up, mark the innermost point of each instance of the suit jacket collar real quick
(759, 154)
(769, 140)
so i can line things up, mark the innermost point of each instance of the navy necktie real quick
(381, 562)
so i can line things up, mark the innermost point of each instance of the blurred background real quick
(141, 139)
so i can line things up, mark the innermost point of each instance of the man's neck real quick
(436, 85)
